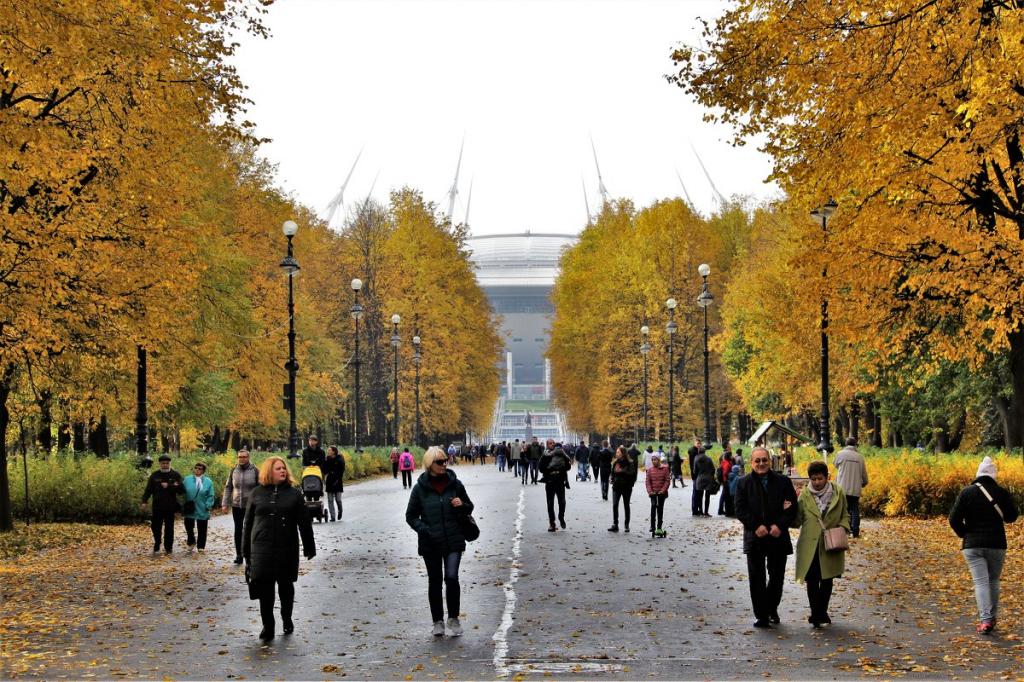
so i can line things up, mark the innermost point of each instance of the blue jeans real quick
(501, 462)
(853, 504)
(583, 469)
(534, 470)
(985, 565)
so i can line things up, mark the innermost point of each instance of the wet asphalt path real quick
(580, 604)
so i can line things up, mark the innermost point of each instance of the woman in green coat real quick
(198, 491)
(822, 503)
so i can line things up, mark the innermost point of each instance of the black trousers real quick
(443, 568)
(552, 490)
(853, 504)
(286, 589)
(407, 478)
(394, 469)
(701, 501)
(623, 495)
(725, 507)
(604, 484)
(163, 520)
(190, 532)
(238, 516)
(819, 591)
(657, 510)
(766, 591)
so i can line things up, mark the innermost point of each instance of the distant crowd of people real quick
(272, 521)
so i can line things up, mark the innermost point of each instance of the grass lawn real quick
(532, 405)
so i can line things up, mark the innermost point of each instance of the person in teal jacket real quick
(198, 491)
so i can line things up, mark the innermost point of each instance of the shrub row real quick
(905, 482)
(92, 489)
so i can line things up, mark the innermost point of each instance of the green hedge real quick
(91, 489)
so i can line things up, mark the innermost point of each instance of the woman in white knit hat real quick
(980, 512)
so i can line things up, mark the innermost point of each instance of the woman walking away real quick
(334, 480)
(704, 471)
(274, 520)
(623, 480)
(198, 491)
(979, 515)
(394, 462)
(821, 505)
(406, 464)
(657, 480)
(676, 462)
(725, 499)
(437, 507)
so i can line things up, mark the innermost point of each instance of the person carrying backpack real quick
(406, 464)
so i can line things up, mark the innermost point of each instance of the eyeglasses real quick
(761, 460)
(441, 461)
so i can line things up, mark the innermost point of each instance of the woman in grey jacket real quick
(242, 480)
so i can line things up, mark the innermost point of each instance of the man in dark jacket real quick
(582, 462)
(164, 486)
(703, 482)
(533, 454)
(979, 515)
(333, 470)
(595, 460)
(766, 505)
(554, 465)
(691, 455)
(242, 480)
(313, 454)
(605, 466)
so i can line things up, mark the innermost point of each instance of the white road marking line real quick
(500, 637)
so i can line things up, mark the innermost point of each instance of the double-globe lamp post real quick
(357, 313)
(705, 299)
(291, 267)
(671, 329)
(820, 216)
(645, 348)
(396, 340)
(416, 359)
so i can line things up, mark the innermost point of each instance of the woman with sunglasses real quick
(437, 505)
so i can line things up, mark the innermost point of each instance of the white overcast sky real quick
(526, 82)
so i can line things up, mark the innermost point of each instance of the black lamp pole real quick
(704, 299)
(291, 266)
(141, 426)
(416, 358)
(671, 329)
(357, 312)
(396, 340)
(645, 348)
(821, 215)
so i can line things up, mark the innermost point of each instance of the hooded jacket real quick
(433, 517)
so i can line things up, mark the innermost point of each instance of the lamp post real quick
(671, 329)
(645, 348)
(357, 312)
(705, 299)
(416, 358)
(395, 341)
(820, 216)
(291, 266)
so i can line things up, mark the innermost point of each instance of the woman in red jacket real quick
(657, 479)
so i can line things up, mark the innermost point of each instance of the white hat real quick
(986, 468)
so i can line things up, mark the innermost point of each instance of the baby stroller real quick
(313, 492)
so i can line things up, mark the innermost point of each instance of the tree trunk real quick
(98, 441)
(855, 419)
(79, 431)
(63, 428)
(236, 441)
(956, 433)
(6, 517)
(1016, 340)
(45, 422)
(843, 423)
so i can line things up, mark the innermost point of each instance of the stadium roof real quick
(521, 259)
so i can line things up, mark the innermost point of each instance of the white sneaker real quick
(454, 627)
(439, 629)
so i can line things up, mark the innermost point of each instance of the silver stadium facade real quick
(517, 272)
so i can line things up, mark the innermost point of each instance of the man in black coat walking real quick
(766, 505)
(605, 466)
(164, 486)
(313, 454)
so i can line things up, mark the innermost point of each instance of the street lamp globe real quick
(395, 319)
(357, 284)
(290, 227)
(645, 330)
(704, 269)
(416, 341)
(671, 304)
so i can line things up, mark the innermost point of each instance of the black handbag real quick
(470, 531)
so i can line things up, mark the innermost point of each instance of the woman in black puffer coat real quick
(437, 505)
(274, 520)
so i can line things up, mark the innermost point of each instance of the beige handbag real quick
(835, 538)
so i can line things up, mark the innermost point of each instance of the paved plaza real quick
(576, 604)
